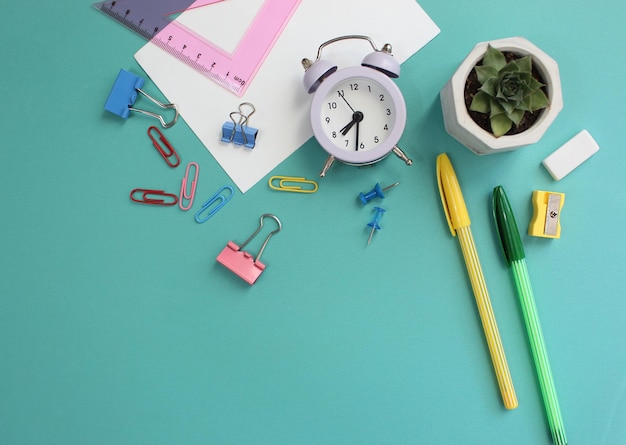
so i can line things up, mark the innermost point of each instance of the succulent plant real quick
(507, 91)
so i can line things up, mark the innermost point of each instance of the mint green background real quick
(117, 326)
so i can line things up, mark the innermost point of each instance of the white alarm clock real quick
(357, 113)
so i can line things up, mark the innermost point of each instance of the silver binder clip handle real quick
(157, 116)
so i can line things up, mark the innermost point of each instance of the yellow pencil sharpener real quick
(546, 220)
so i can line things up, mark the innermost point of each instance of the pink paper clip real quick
(146, 197)
(240, 262)
(183, 187)
(168, 151)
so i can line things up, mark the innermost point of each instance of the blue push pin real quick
(377, 191)
(374, 223)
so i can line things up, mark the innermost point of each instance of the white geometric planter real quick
(460, 125)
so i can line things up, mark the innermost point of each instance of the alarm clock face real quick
(358, 115)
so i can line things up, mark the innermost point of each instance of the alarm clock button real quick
(316, 73)
(383, 62)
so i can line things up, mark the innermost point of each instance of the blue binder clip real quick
(237, 131)
(124, 94)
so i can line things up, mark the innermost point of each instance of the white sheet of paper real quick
(282, 105)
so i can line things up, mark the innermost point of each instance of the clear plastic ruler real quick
(146, 17)
(234, 71)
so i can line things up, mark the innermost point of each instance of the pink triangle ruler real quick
(233, 71)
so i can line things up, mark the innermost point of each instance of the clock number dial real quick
(358, 115)
(357, 109)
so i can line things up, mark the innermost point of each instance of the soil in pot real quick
(472, 85)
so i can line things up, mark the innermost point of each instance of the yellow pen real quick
(459, 222)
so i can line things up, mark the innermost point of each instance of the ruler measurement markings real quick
(144, 17)
(122, 17)
(150, 19)
(208, 57)
(193, 63)
(232, 71)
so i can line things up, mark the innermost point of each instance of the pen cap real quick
(507, 227)
(451, 196)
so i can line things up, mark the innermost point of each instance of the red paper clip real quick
(168, 151)
(146, 199)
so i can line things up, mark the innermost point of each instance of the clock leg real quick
(399, 153)
(327, 165)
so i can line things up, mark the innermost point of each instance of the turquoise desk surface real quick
(117, 325)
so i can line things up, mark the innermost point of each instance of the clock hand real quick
(357, 116)
(347, 128)
(356, 145)
(346, 101)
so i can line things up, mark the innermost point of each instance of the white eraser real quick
(570, 155)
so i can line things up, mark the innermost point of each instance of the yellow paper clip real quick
(283, 185)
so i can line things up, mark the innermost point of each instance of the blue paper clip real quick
(124, 94)
(221, 201)
(237, 131)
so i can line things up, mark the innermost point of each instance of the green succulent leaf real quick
(527, 79)
(511, 67)
(507, 91)
(500, 124)
(495, 107)
(538, 100)
(509, 107)
(525, 64)
(525, 105)
(494, 58)
(510, 91)
(516, 116)
(481, 102)
(485, 73)
(534, 84)
(490, 87)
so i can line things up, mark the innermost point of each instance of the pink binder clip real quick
(241, 262)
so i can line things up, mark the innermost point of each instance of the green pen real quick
(516, 258)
